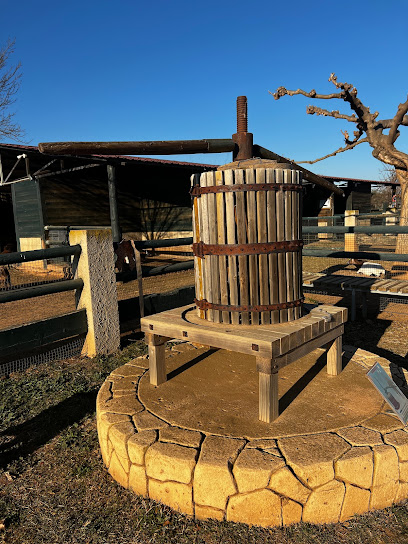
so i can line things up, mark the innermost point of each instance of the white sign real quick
(390, 391)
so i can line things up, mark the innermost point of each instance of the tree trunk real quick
(402, 239)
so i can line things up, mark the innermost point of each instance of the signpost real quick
(390, 391)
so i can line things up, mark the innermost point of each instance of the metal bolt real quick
(242, 114)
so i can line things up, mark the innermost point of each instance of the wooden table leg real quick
(157, 362)
(268, 397)
(334, 358)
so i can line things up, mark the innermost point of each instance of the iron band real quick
(200, 249)
(197, 191)
(205, 305)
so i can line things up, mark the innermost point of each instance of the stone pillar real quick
(98, 296)
(350, 240)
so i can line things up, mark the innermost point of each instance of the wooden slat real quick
(221, 239)
(198, 262)
(214, 259)
(308, 347)
(261, 204)
(242, 239)
(231, 239)
(280, 236)
(272, 258)
(205, 234)
(287, 198)
(254, 278)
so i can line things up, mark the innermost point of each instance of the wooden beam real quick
(264, 153)
(169, 147)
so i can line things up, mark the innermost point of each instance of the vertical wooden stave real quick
(221, 239)
(262, 238)
(280, 236)
(205, 237)
(198, 262)
(299, 196)
(213, 259)
(252, 239)
(241, 222)
(231, 239)
(289, 236)
(272, 257)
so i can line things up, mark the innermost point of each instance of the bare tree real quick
(380, 134)
(10, 79)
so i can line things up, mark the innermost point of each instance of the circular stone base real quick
(196, 444)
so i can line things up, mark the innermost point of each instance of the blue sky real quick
(132, 70)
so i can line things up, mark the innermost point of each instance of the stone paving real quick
(269, 481)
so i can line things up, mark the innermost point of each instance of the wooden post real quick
(113, 204)
(157, 362)
(350, 240)
(268, 397)
(334, 358)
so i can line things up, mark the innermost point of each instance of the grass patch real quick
(55, 489)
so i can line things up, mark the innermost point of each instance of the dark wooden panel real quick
(40, 333)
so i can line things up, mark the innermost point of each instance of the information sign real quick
(390, 391)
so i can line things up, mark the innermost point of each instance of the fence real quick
(86, 322)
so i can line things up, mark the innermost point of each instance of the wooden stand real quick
(274, 346)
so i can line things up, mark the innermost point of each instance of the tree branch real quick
(340, 150)
(386, 123)
(396, 121)
(281, 91)
(311, 110)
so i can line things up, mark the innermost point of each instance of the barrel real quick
(247, 244)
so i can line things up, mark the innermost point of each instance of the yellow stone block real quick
(356, 467)
(117, 471)
(126, 405)
(141, 362)
(360, 436)
(104, 394)
(383, 495)
(386, 469)
(176, 495)
(213, 481)
(145, 421)
(138, 480)
(403, 472)
(166, 461)
(183, 437)
(253, 469)
(356, 501)
(206, 512)
(138, 444)
(398, 439)
(119, 435)
(124, 386)
(325, 503)
(257, 508)
(285, 483)
(383, 423)
(126, 371)
(311, 457)
(104, 422)
(402, 492)
(291, 512)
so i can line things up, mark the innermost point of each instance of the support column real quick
(268, 397)
(98, 296)
(350, 240)
(157, 359)
(334, 357)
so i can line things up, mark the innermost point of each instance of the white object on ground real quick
(371, 269)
